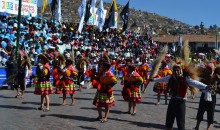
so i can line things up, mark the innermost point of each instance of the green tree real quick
(202, 28)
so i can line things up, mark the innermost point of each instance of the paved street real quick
(21, 114)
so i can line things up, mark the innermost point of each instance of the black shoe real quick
(128, 112)
(39, 108)
(98, 118)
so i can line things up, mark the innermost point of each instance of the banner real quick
(11, 7)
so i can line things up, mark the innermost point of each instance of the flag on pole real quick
(81, 8)
(53, 8)
(92, 10)
(81, 11)
(88, 14)
(110, 20)
(58, 16)
(101, 16)
(124, 16)
(44, 6)
(93, 17)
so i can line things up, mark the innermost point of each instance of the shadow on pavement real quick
(88, 128)
(38, 103)
(79, 118)
(111, 111)
(16, 107)
(1, 96)
(142, 124)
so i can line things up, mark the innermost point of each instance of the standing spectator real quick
(81, 66)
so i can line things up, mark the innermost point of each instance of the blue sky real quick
(188, 11)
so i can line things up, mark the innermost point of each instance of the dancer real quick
(104, 96)
(208, 99)
(131, 91)
(161, 88)
(178, 84)
(143, 71)
(68, 74)
(22, 73)
(42, 82)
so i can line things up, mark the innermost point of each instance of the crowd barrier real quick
(3, 70)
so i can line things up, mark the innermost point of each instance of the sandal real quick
(46, 110)
(104, 120)
(133, 114)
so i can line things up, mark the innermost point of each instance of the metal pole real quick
(18, 29)
(216, 41)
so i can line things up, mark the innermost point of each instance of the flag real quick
(93, 17)
(53, 8)
(81, 11)
(110, 20)
(92, 10)
(44, 6)
(81, 8)
(101, 16)
(88, 14)
(58, 17)
(124, 16)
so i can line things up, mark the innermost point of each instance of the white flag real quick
(101, 16)
(82, 8)
(81, 23)
(92, 10)
(81, 11)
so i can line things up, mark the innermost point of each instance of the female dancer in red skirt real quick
(104, 96)
(42, 82)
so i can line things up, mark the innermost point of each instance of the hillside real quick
(138, 20)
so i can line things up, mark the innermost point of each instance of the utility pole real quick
(18, 29)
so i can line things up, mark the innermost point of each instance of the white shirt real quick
(190, 82)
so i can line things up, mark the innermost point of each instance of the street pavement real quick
(22, 114)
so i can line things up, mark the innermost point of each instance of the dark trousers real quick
(176, 109)
(206, 106)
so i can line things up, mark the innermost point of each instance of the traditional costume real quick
(143, 70)
(42, 82)
(104, 96)
(58, 64)
(68, 73)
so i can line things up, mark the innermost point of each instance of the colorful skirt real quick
(136, 96)
(131, 95)
(59, 90)
(126, 93)
(43, 88)
(69, 89)
(104, 100)
(160, 88)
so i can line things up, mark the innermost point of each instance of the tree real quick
(202, 28)
(210, 27)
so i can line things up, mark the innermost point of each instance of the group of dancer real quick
(175, 81)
